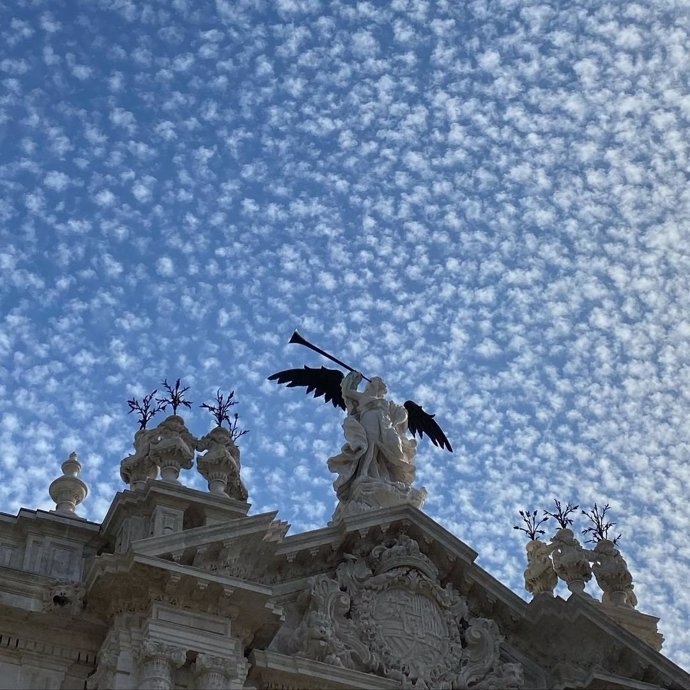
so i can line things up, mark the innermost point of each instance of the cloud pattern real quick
(485, 203)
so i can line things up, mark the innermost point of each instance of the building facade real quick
(181, 589)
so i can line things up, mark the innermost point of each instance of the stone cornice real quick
(167, 493)
(209, 534)
(282, 671)
(579, 620)
(45, 522)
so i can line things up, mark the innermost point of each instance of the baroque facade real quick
(179, 588)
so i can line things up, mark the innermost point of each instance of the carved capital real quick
(156, 664)
(214, 672)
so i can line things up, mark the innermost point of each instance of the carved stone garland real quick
(388, 614)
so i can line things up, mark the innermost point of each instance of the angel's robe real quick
(376, 447)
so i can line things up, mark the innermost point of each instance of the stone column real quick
(157, 661)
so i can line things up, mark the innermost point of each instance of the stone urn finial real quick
(540, 577)
(171, 447)
(68, 491)
(570, 560)
(612, 575)
(220, 465)
(138, 468)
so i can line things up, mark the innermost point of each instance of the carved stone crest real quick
(387, 613)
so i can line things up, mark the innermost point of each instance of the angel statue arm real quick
(348, 389)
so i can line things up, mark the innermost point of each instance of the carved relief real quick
(215, 673)
(64, 597)
(387, 613)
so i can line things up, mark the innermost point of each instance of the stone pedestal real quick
(642, 625)
(374, 494)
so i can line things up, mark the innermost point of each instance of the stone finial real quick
(220, 465)
(171, 447)
(612, 575)
(137, 468)
(540, 577)
(570, 560)
(68, 491)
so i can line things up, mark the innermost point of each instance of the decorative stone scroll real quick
(387, 614)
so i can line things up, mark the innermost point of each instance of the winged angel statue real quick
(376, 464)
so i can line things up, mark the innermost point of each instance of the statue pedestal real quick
(641, 625)
(372, 494)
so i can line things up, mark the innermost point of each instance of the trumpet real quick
(297, 339)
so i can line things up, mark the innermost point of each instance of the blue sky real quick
(484, 203)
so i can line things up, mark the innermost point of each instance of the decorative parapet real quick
(68, 491)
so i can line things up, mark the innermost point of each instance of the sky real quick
(486, 203)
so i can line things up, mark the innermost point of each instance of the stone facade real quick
(179, 588)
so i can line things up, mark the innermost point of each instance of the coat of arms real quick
(386, 613)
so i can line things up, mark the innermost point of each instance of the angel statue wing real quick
(326, 382)
(420, 423)
(322, 381)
